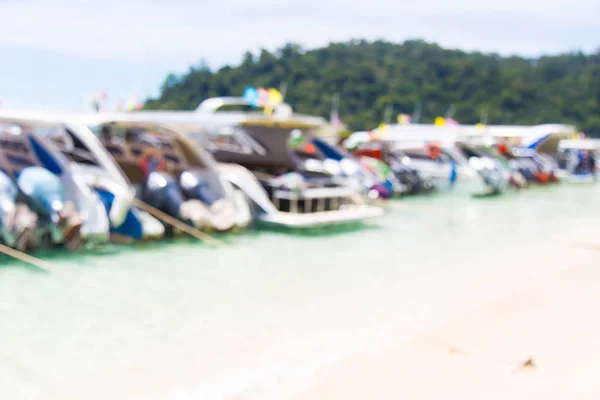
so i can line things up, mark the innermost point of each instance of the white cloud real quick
(59, 51)
(179, 32)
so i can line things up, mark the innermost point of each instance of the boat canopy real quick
(75, 140)
(401, 137)
(579, 144)
(282, 112)
(543, 138)
(483, 141)
(173, 141)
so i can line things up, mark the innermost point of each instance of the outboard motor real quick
(17, 222)
(194, 186)
(521, 167)
(492, 176)
(44, 194)
(380, 190)
(161, 191)
(411, 178)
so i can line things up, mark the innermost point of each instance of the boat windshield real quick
(423, 155)
(66, 141)
(228, 138)
(494, 153)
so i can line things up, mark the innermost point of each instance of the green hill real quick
(369, 76)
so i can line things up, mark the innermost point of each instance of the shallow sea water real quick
(259, 316)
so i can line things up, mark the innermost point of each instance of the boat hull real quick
(578, 179)
(267, 213)
(349, 215)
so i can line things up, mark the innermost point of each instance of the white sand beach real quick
(548, 316)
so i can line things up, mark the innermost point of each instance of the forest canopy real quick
(371, 77)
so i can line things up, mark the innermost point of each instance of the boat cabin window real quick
(369, 149)
(10, 129)
(490, 151)
(423, 155)
(66, 141)
(418, 155)
(229, 138)
(469, 152)
(69, 145)
(246, 108)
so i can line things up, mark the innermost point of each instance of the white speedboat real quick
(51, 185)
(273, 178)
(578, 160)
(451, 169)
(194, 190)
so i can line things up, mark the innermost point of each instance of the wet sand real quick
(538, 338)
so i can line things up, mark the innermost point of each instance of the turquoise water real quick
(258, 316)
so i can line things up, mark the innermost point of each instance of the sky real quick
(55, 54)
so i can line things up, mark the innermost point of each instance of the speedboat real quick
(368, 175)
(495, 175)
(534, 166)
(411, 181)
(446, 163)
(18, 224)
(276, 180)
(187, 187)
(488, 146)
(578, 160)
(64, 209)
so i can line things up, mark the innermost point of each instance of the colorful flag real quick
(404, 119)
(131, 103)
(383, 168)
(251, 96)
(451, 122)
(262, 97)
(296, 139)
(335, 119)
(309, 148)
(453, 172)
(274, 98)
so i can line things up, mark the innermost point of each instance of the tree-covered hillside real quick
(372, 76)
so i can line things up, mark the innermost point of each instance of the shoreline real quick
(545, 314)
